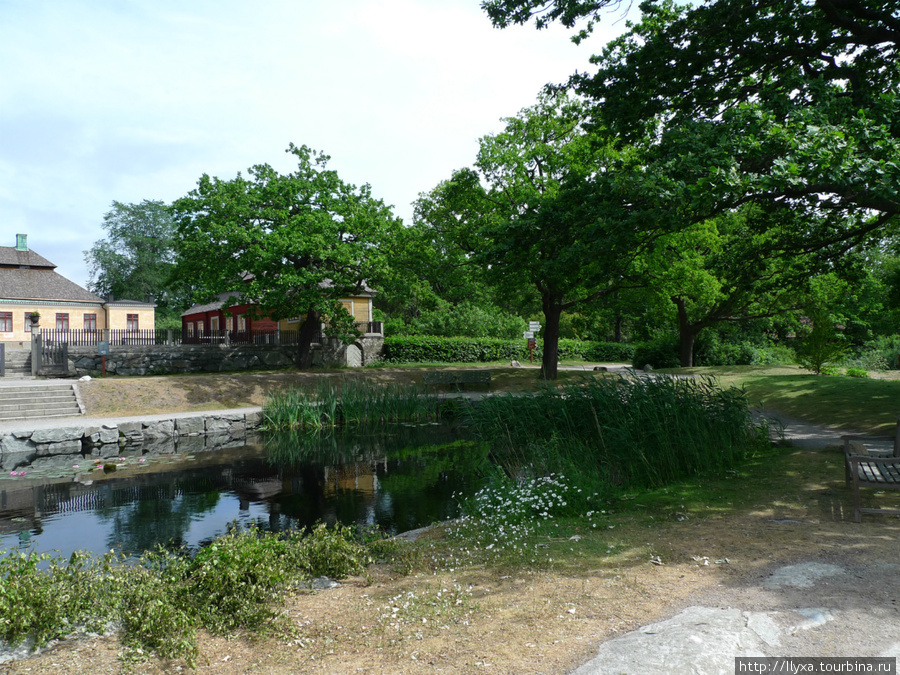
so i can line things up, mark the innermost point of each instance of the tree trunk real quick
(552, 306)
(308, 330)
(687, 332)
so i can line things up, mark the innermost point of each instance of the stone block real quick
(189, 426)
(57, 435)
(159, 429)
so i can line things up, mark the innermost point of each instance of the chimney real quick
(21, 242)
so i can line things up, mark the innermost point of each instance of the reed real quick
(349, 403)
(618, 431)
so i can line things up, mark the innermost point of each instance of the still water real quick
(397, 481)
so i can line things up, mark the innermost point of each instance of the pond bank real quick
(23, 440)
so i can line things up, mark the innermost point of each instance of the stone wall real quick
(161, 359)
(181, 434)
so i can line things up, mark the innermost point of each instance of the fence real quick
(88, 338)
(162, 336)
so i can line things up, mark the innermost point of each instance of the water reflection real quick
(399, 480)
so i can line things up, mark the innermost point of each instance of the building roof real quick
(41, 283)
(10, 256)
(213, 306)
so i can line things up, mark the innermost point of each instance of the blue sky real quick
(127, 100)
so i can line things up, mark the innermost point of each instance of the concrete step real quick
(29, 402)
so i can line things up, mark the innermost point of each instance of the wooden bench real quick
(865, 470)
(459, 379)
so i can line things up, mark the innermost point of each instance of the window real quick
(62, 321)
(27, 322)
(229, 323)
(200, 327)
(214, 324)
(242, 322)
(90, 322)
(6, 325)
(132, 325)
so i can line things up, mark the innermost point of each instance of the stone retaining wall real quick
(181, 434)
(162, 359)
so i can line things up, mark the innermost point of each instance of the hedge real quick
(428, 348)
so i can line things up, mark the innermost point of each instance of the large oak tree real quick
(289, 244)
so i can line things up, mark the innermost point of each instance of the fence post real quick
(35, 350)
(170, 339)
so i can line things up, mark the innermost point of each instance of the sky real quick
(127, 100)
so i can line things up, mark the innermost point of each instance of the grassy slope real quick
(868, 405)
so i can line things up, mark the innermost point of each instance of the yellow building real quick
(32, 293)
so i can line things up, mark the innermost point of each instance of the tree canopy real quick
(136, 259)
(522, 212)
(290, 245)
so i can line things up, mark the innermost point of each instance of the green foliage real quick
(615, 431)
(333, 552)
(46, 604)
(136, 259)
(350, 403)
(431, 349)
(857, 372)
(292, 245)
(236, 582)
(465, 319)
(661, 352)
(822, 344)
(880, 353)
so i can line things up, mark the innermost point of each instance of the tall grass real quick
(350, 403)
(643, 432)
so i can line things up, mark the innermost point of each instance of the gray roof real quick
(11, 256)
(41, 284)
(216, 305)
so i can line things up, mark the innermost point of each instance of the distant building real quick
(30, 285)
(209, 322)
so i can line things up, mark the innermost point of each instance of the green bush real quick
(659, 353)
(432, 349)
(878, 354)
(857, 372)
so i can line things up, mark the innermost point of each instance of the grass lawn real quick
(867, 405)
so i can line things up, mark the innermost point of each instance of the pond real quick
(397, 480)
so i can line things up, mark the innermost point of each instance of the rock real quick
(57, 435)
(86, 378)
(601, 369)
(515, 364)
(648, 368)
(190, 426)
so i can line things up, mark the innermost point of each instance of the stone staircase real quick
(33, 401)
(18, 364)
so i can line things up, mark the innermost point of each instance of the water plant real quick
(617, 431)
(349, 403)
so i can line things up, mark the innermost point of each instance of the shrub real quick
(431, 349)
(878, 354)
(659, 353)
(857, 372)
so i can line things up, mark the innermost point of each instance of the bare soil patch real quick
(129, 396)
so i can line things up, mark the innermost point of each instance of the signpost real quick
(103, 351)
(533, 327)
